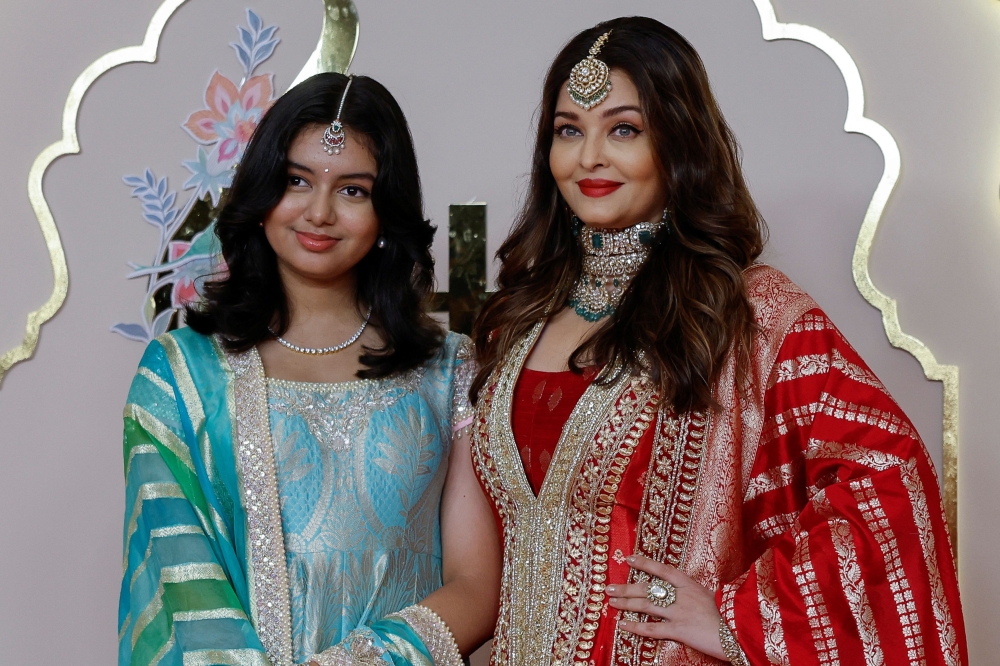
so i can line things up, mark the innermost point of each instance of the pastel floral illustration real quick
(188, 253)
(208, 175)
(231, 115)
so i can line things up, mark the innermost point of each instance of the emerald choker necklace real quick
(611, 258)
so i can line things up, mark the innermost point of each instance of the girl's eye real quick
(567, 131)
(624, 131)
(354, 191)
(296, 181)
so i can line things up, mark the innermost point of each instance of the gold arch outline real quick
(69, 144)
(336, 47)
(856, 122)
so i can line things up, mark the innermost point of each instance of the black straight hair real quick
(395, 281)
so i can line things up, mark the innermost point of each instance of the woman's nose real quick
(592, 153)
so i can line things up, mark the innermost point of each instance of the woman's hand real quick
(692, 619)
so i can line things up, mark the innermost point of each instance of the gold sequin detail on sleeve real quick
(358, 649)
(434, 632)
(465, 371)
(734, 653)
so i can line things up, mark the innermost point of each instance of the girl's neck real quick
(317, 306)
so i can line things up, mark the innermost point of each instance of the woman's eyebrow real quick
(615, 110)
(300, 167)
(569, 115)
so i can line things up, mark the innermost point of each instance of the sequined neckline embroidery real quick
(338, 413)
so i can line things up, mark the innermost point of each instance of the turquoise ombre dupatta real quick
(185, 596)
(204, 579)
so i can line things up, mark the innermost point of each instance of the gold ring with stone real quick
(661, 593)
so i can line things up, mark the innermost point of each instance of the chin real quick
(602, 219)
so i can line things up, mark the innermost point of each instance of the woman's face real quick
(325, 223)
(602, 159)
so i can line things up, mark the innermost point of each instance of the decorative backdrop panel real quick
(134, 210)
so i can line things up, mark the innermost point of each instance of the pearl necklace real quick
(320, 351)
(611, 258)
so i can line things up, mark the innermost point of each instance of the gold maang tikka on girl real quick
(334, 138)
(590, 79)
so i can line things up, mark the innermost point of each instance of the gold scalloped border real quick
(69, 144)
(857, 123)
(334, 52)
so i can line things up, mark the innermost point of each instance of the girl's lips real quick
(598, 187)
(315, 242)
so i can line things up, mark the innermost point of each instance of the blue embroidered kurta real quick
(229, 473)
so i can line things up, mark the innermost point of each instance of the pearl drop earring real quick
(381, 242)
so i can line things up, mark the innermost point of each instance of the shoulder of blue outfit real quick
(462, 366)
(458, 345)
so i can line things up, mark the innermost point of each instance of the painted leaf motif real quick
(246, 38)
(253, 20)
(135, 332)
(161, 322)
(264, 51)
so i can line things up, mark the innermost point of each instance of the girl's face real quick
(325, 223)
(602, 159)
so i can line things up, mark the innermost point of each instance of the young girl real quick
(298, 475)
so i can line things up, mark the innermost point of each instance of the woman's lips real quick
(315, 242)
(598, 187)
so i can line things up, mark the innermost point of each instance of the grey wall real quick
(468, 76)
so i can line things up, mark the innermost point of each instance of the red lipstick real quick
(315, 242)
(598, 187)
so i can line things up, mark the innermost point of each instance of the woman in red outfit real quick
(687, 461)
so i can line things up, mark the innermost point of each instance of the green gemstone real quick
(597, 241)
(645, 237)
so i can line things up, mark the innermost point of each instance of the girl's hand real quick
(692, 619)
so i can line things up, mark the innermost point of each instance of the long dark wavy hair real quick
(687, 307)
(395, 281)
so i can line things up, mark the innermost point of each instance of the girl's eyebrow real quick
(361, 175)
(300, 167)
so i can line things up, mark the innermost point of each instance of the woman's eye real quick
(624, 131)
(567, 131)
(296, 181)
(354, 191)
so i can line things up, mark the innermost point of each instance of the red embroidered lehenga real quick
(808, 502)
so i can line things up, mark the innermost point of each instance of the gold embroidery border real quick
(334, 52)
(857, 123)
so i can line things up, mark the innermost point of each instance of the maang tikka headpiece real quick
(590, 79)
(334, 137)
